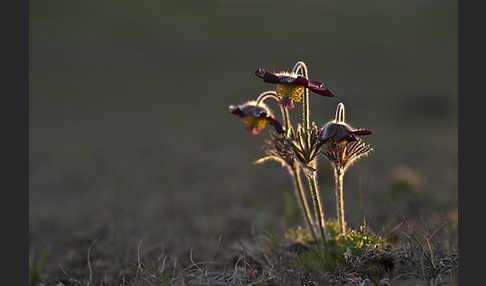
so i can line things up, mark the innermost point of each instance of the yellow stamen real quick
(290, 91)
(332, 141)
(254, 122)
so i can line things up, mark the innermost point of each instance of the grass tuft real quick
(338, 248)
(37, 265)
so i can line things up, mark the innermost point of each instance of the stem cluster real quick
(297, 147)
(317, 218)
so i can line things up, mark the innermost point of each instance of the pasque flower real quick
(336, 134)
(343, 148)
(255, 116)
(297, 147)
(290, 86)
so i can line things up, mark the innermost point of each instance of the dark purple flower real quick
(336, 134)
(340, 133)
(255, 116)
(290, 86)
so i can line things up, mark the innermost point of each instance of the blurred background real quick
(130, 138)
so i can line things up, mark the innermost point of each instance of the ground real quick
(133, 152)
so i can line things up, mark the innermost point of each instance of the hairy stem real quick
(272, 94)
(319, 210)
(315, 205)
(300, 67)
(286, 118)
(340, 113)
(265, 95)
(338, 174)
(303, 200)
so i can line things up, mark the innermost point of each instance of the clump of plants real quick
(338, 249)
(298, 146)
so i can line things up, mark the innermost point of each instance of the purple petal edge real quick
(321, 91)
(362, 132)
(266, 76)
(276, 125)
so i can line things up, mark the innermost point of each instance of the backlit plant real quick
(342, 149)
(299, 146)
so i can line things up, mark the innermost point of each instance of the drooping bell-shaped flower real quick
(342, 144)
(255, 116)
(290, 86)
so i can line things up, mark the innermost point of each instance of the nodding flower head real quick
(255, 116)
(336, 134)
(342, 144)
(290, 86)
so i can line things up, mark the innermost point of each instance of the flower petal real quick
(286, 103)
(267, 76)
(250, 108)
(253, 130)
(343, 132)
(274, 78)
(362, 132)
(321, 91)
(234, 109)
(328, 132)
(351, 138)
(276, 124)
(300, 80)
(314, 86)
